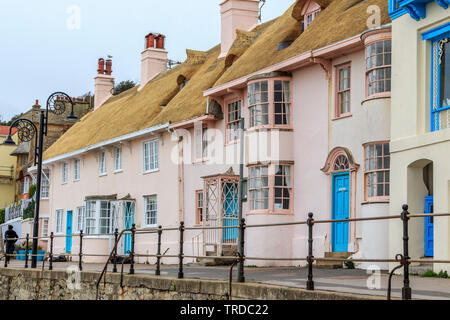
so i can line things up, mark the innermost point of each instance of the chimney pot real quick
(101, 66)
(160, 41)
(108, 67)
(150, 41)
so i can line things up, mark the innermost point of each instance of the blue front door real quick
(129, 221)
(340, 211)
(230, 211)
(429, 228)
(69, 231)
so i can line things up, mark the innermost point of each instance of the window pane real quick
(445, 75)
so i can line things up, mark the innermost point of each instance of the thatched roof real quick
(252, 51)
(341, 19)
(125, 113)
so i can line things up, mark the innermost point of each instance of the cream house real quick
(420, 122)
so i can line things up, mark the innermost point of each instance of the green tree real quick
(2, 216)
(124, 86)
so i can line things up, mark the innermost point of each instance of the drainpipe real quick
(181, 178)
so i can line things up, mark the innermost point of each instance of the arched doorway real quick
(342, 169)
(421, 199)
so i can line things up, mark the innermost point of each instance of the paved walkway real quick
(343, 280)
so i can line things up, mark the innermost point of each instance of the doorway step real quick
(421, 268)
(333, 264)
(227, 251)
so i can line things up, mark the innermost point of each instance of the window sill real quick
(268, 212)
(97, 237)
(45, 199)
(232, 143)
(151, 226)
(103, 175)
(77, 180)
(64, 183)
(262, 128)
(375, 201)
(149, 172)
(118, 171)
(344, 116)
(384, 95)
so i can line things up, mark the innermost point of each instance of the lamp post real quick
(27, 130)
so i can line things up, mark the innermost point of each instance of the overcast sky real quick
(43, 49)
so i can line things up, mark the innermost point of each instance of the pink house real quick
(315, 99)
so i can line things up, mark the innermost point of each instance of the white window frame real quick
(151, 211)
(118, 159)
(65, 172)
(45, 186)
(76, 170)
(108, 218)
(59, 221)
(81, 219)
(89, 218)
(45, 225)
(102, 168)
(150, 162)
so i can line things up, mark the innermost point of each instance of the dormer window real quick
(310, 11)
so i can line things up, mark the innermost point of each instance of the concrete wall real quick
(16, 284)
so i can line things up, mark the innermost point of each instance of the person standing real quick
(11, 238)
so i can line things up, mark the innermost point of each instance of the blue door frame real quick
(340, 211)
(129, 221)
(230, 212)
(69, 231)
(429, 228)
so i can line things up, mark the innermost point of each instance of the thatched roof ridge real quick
(338, 21)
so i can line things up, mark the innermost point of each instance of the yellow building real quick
(7, 169)
(420, 145)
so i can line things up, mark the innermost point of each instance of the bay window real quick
(269, 103)
(378, 67)
(270, 188)
(377, 171)
(97, 218)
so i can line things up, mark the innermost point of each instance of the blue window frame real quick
(417, 9)
(394, 9)
(440, 76)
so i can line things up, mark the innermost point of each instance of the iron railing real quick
(403, 259)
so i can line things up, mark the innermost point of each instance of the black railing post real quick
(26, 251)
(116, 236)
(180, 256)
(80, 262)
(51, 252)
(158, 253)
(241, 275)
(406, 290)
(133, 239)
(310, 258)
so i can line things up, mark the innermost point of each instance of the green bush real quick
(32, 191)
(2, 216)
(29, 211)
(432, 274)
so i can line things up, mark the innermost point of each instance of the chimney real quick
(104, 83)
(237, 14)
(153, 58)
